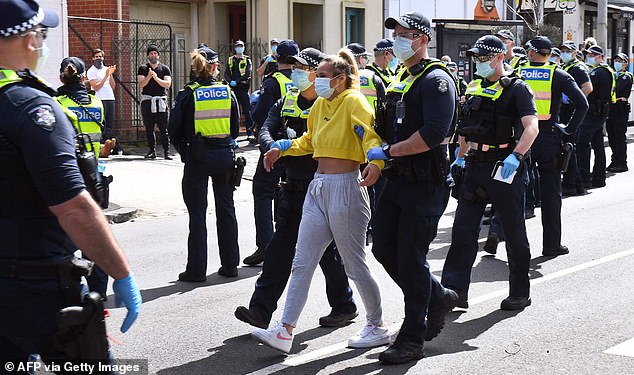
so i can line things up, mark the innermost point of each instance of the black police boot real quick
(151, 155)
(618, 168)
(186, 277)
(436, 314)
(491, 246)
(515, 303)
(167, 155)
(228, 271)
(251, 317)
(569, 191)
(254, 259)
(529, 213)
(560, 250)
(335, 319)
(402, 352)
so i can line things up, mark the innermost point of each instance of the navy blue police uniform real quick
(265, 183)
(239, 69)
(616, 124)
(215, 160)
(493, 139)
(415, 194)
(547, 151)
(284, 123)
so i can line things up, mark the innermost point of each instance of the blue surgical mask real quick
(552, 59)
(43, 57)
(322, 87)
(239, 50)
(403, 48)
(301, 79)
(484, 69)
(566, 57)
(618, 66)
(393, 64)
(591, 61)
(274, 49)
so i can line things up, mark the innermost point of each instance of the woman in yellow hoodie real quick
(339, 135)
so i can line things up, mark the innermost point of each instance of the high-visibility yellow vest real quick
(242, 65)
(88, 118)
(284, 82)
(540, 79)
(367, 86)
(290, 107)
(386, 78)
(402, 86)
(492, 92)
(613, 73)
(212, 109)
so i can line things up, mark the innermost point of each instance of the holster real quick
(238, 170)
(294, 185)
(566, 153)
(87, 162)
(457, 173)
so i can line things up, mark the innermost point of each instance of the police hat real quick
(238, 43)
(622, 56)
(505, 34)
(569, 44)
(579, 54)
(540, 44)
(519, 50)
(78, 63)
(452, 65)
(595, 49)
(210, 54)
(287, 48)
(487, 45)
(310, 57)
(17, 16)
(411, 20)
(274, 41)
(555, 51)
(384, 45)
(152, 48)
(357, 49)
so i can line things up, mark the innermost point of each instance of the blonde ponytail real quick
(200, 66)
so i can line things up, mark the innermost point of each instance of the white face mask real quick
(591, 61)
(322, 87)
(301, 79)
(403, 48)
(484, 69)
(41, 60)
(566, 57)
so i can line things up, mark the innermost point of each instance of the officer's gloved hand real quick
(282, 144)
(459, 162)
(234, 143)
(126, 293)
(376, 153)
(360, 131)
(565, 99)
(233, 83)
(511, 163)
(269, 58)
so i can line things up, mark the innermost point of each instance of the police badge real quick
(443, 86)
(43, 116)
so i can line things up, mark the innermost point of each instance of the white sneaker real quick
(369, 337)
(276, 337)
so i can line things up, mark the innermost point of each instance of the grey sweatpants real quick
(336, 207)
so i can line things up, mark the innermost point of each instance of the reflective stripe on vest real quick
(387, 78)
(242, 65)
(82, 121)
(492, 92)
(284, 82)
(290, 107)
(367, 86)
(540, 79)
(613, 73)
(212, 109)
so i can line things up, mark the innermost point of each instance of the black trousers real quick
(616, 127)
(264, 188)
(242, 95)
(109, 112)
(152, 121)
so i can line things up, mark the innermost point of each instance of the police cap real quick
(595, 49)
(210, 54)
(238, 43)
(540, 44)
(505, 34)
(518, 50)
(411, 20)
(384, 45)
(287, 48)
(274, 41)
(569, 44)
(452, 66)
(310, 57)
(487, 45)
(357, 49)
(17, 16)
(622, 56)
(76, 62)
(555, 51)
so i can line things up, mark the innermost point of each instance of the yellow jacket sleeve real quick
(365, 119)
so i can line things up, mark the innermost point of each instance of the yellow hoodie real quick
(330, 129)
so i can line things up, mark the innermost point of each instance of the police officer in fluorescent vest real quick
(287, 120)
(265, 183)
(204, 123)
(385, 63)
(238, 75)
(590, 133)
(616, 124)
(572, 184)
(268, 64)
(371, 83)
(415, 120)
(499, 108)
(549, 82)
(46, 212)
(510, 57)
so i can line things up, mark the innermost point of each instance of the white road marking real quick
(626, 348)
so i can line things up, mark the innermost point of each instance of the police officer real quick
(590, 133)
(204, 122)
(548, 83)
(555, 56)
(385, 63)
(238, 74)
(491, 144)
(616, 124)
(45, 208)
(287, 120)
(371, 85)
(264, 183)
(421, 100)
(268, 64)
(511, 58)
(572, 184)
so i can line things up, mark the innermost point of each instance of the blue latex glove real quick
(511, 163)
(282, 144)
(126, 293)
(459, 162)
(269, 58)
(564, 99)
(359, 130)
(376, 153)
(233, 83)
(235, 144)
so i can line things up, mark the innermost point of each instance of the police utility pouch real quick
(87, 162)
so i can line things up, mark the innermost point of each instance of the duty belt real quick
(474, 156)
(547, 128)
(20, 269)
(487, 148)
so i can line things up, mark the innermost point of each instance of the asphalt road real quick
(582, 303)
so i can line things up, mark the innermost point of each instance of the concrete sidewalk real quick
(144, 189)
